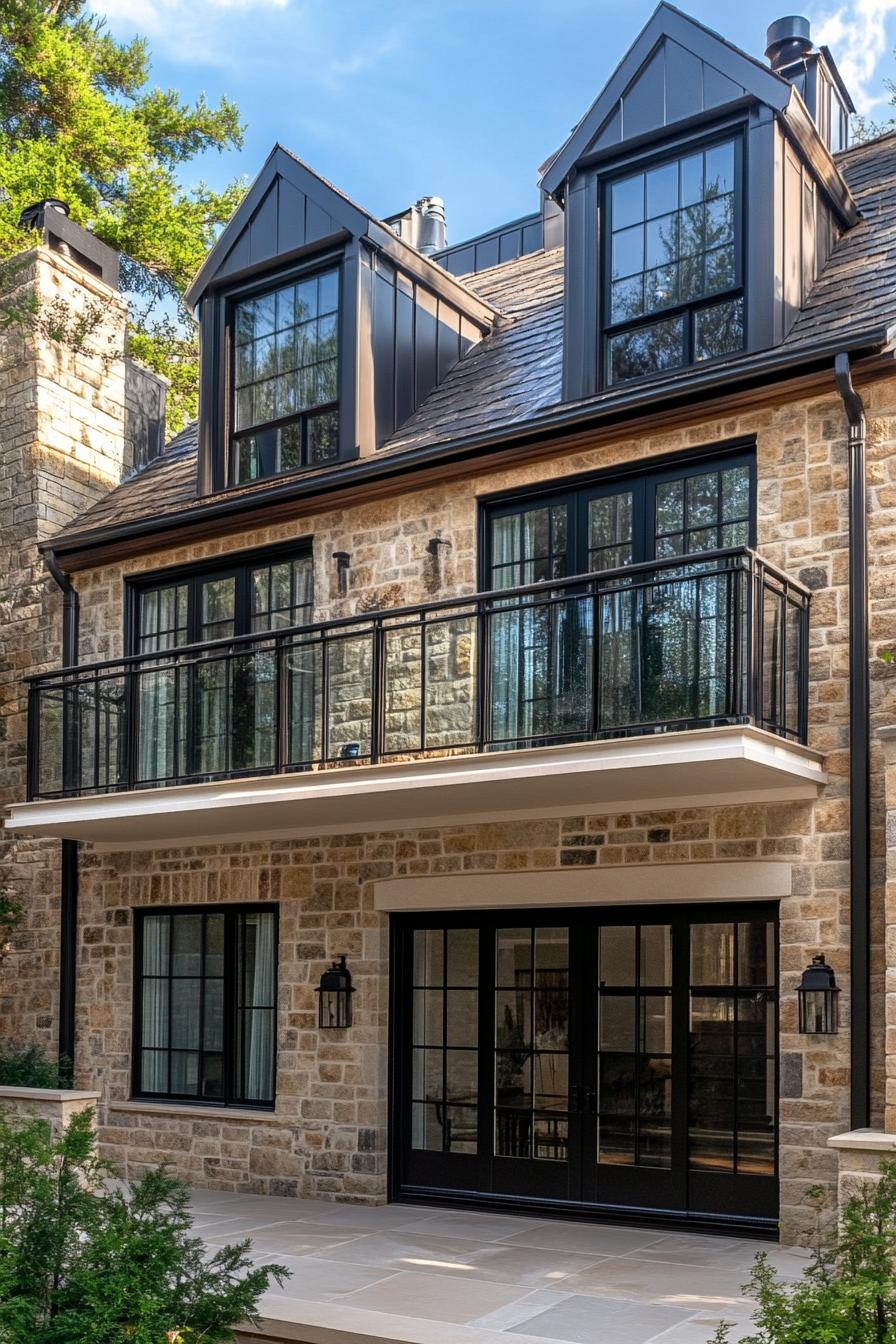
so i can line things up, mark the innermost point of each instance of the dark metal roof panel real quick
(733, 70)
(512, 378)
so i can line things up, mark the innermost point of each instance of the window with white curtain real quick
(217, 715)
(206, 1004)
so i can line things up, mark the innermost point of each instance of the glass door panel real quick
(445, 1035)
(631, 1100)
(610, 531)
(162, 625)
(532, 1059)
(538, 645)
(732, 1063)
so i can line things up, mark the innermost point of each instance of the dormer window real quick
(673, 255)
(285, 413)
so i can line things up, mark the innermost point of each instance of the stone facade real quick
(328, 1134)
(62, 446)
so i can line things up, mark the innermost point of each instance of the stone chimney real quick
(63, 446)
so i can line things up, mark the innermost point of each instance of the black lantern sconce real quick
(817, 996)
(343, 561)
(334, 1004)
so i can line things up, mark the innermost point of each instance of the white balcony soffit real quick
(681, 769)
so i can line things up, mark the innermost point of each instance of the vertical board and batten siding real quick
(532, 233)
(491, 249)
(803, 237)
(673, 83)
(285, 220)
(581, 309)
(416, 337)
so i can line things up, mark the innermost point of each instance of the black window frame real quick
(227, 302)
(240, 564)
(577, 492)
(231, 981)
(607, 328)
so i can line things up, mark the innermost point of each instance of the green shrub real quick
(85, 1259)
(30, 1067)
(847, 1295)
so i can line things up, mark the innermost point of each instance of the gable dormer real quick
(701, 200)
(321, 331)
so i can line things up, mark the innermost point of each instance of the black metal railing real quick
(705, 640)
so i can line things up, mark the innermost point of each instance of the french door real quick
(615, 1059)
(664, 651)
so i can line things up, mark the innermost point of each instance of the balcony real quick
(675, 683)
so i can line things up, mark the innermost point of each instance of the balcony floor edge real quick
(698, 768)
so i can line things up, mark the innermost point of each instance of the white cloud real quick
(159, 14)
(231, 33)
(860, 35)
(189, 30)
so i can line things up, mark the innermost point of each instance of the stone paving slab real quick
(414, 1275)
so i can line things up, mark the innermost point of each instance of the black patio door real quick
(619, 1059)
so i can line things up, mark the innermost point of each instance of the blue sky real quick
(458, 99)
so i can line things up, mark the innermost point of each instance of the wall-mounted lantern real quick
(334, 1004)
(343, 561)
(817, 997)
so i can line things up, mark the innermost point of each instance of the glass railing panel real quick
(794, 661)
(302, 668)
(253, 731)
(157, 708)
(404, 657)
(451, 683)
(349, 689)
(208, 687)
(540, 668)
(98, 726)
(48, 705)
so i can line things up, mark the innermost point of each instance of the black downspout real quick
(859, 756)
(68, 902)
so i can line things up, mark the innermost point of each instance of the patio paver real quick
(416, 1275)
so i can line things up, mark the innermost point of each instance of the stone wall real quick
(328, 1135)
(802, 528)
(61, 448)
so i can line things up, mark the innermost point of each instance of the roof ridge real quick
(866, 144)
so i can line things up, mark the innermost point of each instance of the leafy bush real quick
(848, 1293)
(30, 1067)
(86, 1260)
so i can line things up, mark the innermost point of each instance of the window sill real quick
(224, 1113)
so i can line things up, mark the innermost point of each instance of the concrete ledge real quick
(57, 1105)
(700, 767)
(632, 884)
(186, 1111)
(45, 1094)
(865, 1140)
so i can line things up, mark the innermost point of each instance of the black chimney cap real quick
(32, 217)
(787, 40)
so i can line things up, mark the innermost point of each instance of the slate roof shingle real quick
(514, 374)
